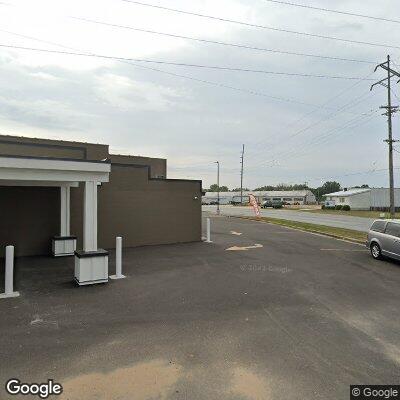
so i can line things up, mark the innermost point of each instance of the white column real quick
(90, 217)
(9, 274)
(65, 211)
(118, 259)
(208, 240)
(118, 256)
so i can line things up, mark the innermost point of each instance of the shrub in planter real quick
(338, 207)
(346, 208)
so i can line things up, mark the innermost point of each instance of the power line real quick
(321, 107)
(354, 173)
(335, 11)
(261, 26)
(348, 105)
(176, 75)
(180, 64)
(242, 46)
(317, 140)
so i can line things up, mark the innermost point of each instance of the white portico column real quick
(65, 211)
(90, 217)
(91, 263)
(65, 244)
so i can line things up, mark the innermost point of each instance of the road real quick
(339, 221)
(296, 316)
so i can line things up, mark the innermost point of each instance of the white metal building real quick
(365, 199)
(290, 197)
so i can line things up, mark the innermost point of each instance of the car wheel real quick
(376, 251)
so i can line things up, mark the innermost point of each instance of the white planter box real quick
(63, 246)
(91, 267)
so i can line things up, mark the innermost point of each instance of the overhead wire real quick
(248, 24)
(329, 10)
(315, 140)
(236, 45)
(342, 109)
(181, 64)
(341, 93)
(204, 81)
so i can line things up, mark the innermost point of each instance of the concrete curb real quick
(332, 235)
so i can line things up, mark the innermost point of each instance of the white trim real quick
(4, 182)
(28, 169)
(68, 165)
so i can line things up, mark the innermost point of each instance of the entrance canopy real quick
(24, 171)
(65, 173)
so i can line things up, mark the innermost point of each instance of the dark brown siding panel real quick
(29, 219)
(31, 149)
(147, 212)
(24, 146)
(158, 166)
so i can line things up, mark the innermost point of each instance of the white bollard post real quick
(208, 231)
(118, 259)
(9, 274)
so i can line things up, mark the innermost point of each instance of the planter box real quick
(63, 246)
(91, 267)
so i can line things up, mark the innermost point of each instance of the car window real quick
(378, 226)
(393, 229)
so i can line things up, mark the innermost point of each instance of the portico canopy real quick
(65, 173)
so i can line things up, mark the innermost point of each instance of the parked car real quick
(384, 239)
(329, 204)
(271, 204)
(240, 201)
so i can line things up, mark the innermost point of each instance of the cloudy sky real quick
(295, 128)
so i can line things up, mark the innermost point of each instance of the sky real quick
(295, 129)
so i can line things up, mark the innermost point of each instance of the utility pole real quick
(390, 110)
(218, 211)
(241, 177)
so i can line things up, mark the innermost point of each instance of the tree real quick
(326, 188)
(330, 187)
(264, 189)
(282, 187)
(214, 188)
(238, 190)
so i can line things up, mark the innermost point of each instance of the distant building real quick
(300, 197)
(365, 199)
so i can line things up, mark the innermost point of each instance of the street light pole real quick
(241, 177)
(218, 211)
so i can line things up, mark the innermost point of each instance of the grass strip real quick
(338, 233)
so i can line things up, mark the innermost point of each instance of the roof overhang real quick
(347, 193)
(35, 171)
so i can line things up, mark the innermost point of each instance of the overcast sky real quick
(137, 110)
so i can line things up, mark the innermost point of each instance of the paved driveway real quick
(339, 221)
(301, 317)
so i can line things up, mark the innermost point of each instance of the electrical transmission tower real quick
(390, 110)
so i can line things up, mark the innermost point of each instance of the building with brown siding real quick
(134, 198)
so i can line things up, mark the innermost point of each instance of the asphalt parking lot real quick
(339, 221)
(295, 316)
